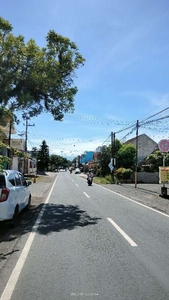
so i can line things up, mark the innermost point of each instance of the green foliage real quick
(39, 79)
(123, 173)
(118, 145)
(34, 152)
(155, 160)
(125, 156)
(6, 117)
(19, 153)
(3, 145)
(103, 180)
(56, 161)
(104, 159)
(43, 157)
(4, 160)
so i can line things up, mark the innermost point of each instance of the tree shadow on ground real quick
(56, 217)
(60, 217)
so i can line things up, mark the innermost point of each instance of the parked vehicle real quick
(14, 194)
(77, 171)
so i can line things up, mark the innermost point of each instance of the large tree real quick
(126, 156)
(43, 157)
(37, 79)
(105, 155)
(104, 158)
(57, 161)
(155, 160)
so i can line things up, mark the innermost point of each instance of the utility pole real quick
(11, 122)
(26, 138)
(113, 153)
(136, 163)
(26, 132)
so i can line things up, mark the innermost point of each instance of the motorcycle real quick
(90, 180)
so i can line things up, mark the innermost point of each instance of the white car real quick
(14, 194)
(77, 171)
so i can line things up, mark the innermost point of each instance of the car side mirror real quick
(28, 182)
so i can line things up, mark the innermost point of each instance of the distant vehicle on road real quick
(77, 171)
(14, 194)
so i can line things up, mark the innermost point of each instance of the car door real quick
(24, 190)
(19, 189)
(13, 195)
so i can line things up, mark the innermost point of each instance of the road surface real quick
(90, 243)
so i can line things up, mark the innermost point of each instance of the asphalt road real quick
(90, 243)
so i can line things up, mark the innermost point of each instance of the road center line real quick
(10, 286)
(86, 195)
(130, 241)
(77, 184)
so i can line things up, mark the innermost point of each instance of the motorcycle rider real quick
(89, 175)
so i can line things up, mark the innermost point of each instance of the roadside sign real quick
(163, 175)
(164, 146)
(111, 166)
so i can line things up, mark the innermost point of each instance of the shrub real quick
(123, 173)
(103, 180)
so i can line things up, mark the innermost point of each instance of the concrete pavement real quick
(42, 186)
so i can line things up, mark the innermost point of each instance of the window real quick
(11, 179)
(17, 179)
(22, 179)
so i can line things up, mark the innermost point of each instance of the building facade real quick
(146, 146)
(86, 157)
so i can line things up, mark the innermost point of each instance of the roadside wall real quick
(148, 177)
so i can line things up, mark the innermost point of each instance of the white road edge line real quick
(153, 209)
(10, 286)
(128, 239)
(86, 195)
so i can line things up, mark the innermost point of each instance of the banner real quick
(163, 174)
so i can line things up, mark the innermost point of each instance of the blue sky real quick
(125, 77)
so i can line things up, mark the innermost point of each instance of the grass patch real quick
(103, 180)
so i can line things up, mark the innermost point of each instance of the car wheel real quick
(14, 221)
(29, 204)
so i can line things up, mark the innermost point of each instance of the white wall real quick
(14, 163)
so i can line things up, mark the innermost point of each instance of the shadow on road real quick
(56, 217)
(60, 217)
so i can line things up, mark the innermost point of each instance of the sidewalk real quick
(40, 188)
(147, 187)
